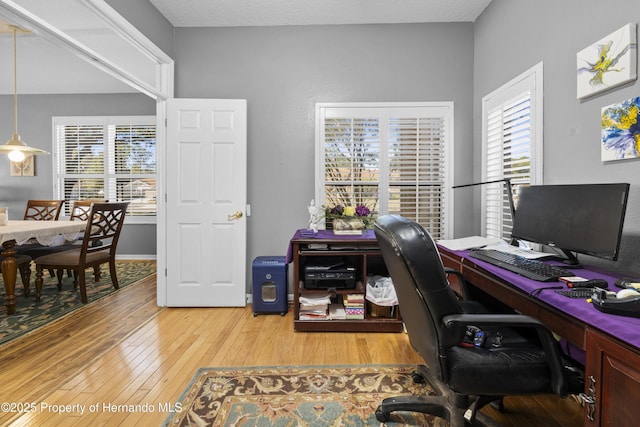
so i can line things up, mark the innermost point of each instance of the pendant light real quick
(15, 147)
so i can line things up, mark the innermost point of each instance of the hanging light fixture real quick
(17, 149)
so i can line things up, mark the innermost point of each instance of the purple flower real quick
(362, 210)
(337, 210)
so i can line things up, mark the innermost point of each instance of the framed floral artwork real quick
(621, 130)
(23, 168)
(609, 62)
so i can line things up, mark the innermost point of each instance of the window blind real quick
(388, 158)
(512, 146)
(508, 156)
(351, 159)
(416, 171)
(107, 158)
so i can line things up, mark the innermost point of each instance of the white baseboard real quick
(137, 257)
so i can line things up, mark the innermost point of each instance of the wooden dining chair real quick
(43, 210)
(98, 247)
(80, 208)
(79, 212)
(36, 210)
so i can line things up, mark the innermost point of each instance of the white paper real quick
(471, 242)
(311, 300)
(523, 252)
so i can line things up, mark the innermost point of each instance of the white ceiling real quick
(228, 13)
(45, 68)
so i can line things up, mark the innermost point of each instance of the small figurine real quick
(313, 216)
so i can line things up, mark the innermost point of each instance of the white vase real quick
(348, 226)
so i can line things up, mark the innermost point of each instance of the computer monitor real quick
(582, 218)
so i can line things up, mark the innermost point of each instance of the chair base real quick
(459, 410)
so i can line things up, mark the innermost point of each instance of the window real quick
(111, 158)
(511, 147)
(392, 158)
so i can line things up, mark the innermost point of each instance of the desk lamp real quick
(512, 207)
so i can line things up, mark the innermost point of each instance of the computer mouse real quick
(626, 293)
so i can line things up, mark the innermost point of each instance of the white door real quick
(206, 184)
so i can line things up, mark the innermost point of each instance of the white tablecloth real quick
(45, 232)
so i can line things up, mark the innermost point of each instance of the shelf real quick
(363, 254)
(335, 252)
(366, 325)
(359, 289)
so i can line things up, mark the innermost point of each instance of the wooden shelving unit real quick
(360, 251)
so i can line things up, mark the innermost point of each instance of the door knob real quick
(234, 216)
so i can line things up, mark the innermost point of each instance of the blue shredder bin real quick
(270, 285)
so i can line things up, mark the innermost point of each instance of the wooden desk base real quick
(612, 370)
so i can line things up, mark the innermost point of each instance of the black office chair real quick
(518, 356)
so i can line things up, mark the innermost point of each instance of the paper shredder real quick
(270, 285)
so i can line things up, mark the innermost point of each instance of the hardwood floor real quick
(124, 350)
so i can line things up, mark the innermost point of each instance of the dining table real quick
(18, 232)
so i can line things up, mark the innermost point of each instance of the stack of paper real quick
(337, 312)
(314, 306)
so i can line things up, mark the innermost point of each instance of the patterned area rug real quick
(309, 396)
(55, 304)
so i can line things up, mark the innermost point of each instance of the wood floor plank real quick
(128, 351)
(33, 365)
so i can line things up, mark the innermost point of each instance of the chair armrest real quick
(491, 319)
(463, 283)
(549, 344)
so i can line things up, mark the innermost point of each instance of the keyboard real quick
(577, 293)
(531, 268)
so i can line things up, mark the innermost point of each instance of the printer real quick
(338, 275)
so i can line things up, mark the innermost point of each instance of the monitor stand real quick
(571, 260)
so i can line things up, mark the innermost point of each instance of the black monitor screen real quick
(584, 218)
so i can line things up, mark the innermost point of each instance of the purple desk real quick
(626, 329)
(609, 345)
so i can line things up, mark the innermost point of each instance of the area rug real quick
(320, 396)
(54, 304)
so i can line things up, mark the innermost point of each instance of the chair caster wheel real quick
(382, 416)
(283, 313)
(417, 378)
(255, 314)
(498, 405)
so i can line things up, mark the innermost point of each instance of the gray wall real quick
(146, 18)
(34, 126)
(284, 71)
(513, 35)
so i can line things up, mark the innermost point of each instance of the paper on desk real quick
(470, 242)
(523, 252)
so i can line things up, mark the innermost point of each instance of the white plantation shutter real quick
(81, 160)
(392, 158)
(351, 158)
(512, 147)
(417, 171)
(133, 167)
(112, 158)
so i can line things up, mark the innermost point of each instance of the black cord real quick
(538, 291)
